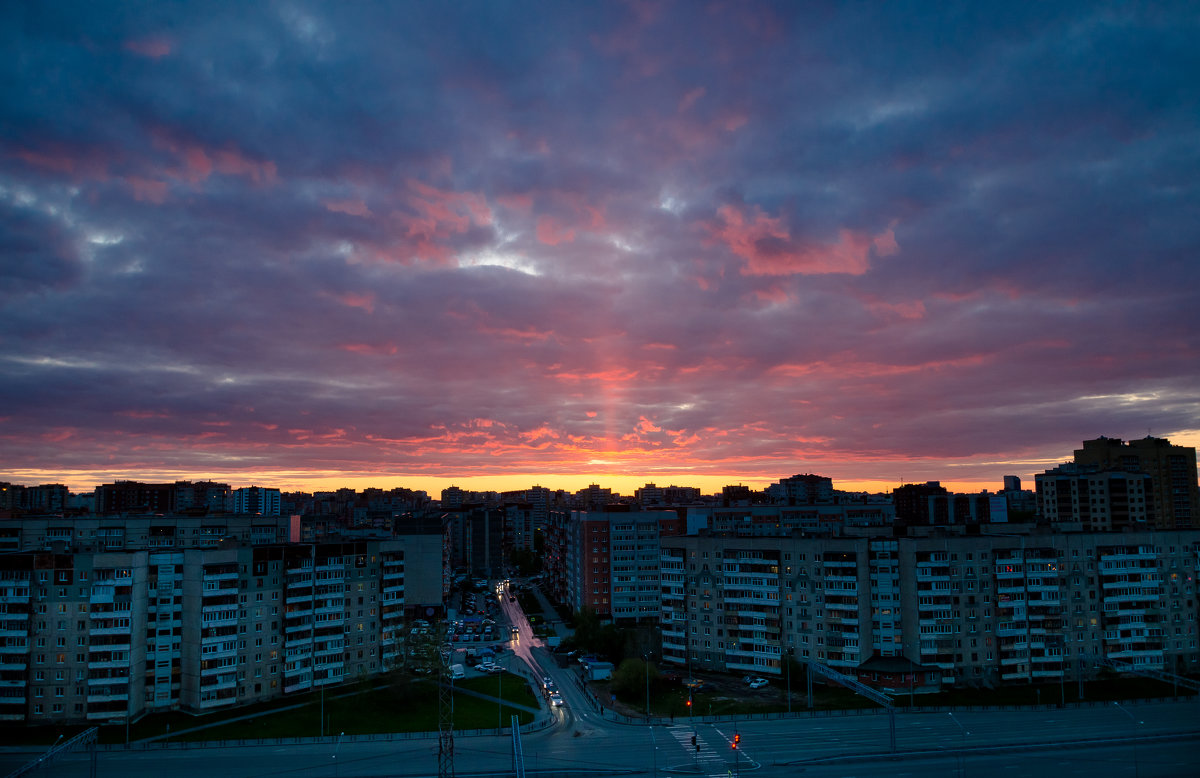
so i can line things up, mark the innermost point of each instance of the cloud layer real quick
(422, 239)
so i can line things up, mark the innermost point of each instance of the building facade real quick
(981, 609)
(93, 630)
(1172, 470)
(608, 560)
(1084, 497)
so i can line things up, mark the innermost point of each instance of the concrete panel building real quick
(982, 609)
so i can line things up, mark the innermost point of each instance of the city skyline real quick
(308, 245)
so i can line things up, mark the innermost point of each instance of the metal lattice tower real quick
(446, 718)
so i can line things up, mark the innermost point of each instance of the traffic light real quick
(693, 740)
(737, 738)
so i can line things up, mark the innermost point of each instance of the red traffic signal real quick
(737, 738)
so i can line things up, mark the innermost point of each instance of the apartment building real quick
(90, 633)
(608, 560)
(255, 500)
(974, 609)
(1084, 497)
(776, 520)
(155, 532)
(1173, 490)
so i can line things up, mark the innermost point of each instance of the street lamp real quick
(962, 767)
(500, 695)
(646, 669)
(335, 750)
(788, 667)
(1135, 734)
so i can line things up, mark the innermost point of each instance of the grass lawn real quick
(672, 701)
(403, 707)
(411, 707)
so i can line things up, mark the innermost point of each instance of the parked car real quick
(757, 683)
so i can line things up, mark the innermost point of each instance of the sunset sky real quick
(498, 244)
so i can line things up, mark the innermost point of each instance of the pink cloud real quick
(154, 48)
(199, 166)
(690, 98)
(550, 232)
(232, 162)
(734, 121)
(644, 425)
(910, 309)
(364, 301)
(351, 207)
(147, 190)
(144, 414)
(384, 349)
(516, 202)
(456, 209)
(57, 163)
(768, 248)
(197, 163)
(434, 215)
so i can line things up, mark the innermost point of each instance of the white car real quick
(556, 699)
(757, 683)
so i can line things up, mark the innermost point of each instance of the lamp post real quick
(788, 659)
(654, 752)
(1121, 708)
(335, 750)
(500, 695)
(962, 767)
(646, 669)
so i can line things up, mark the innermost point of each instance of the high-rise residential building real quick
(1174, 489)
(594, 497)
(134, 497)
(802, 490)
(931, 504)
(608, 560)
(113, 617)
(962, 609)
(44, 498)
(478, 539)
(255, 500)
(1084, 497)
(200, 496)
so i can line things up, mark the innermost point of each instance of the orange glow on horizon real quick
(622, 470)
(621, 483)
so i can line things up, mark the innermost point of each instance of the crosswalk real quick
(714, 756)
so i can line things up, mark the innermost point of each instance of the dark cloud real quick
(530, 238)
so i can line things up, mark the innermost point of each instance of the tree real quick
(629, 681)
(603, 640)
